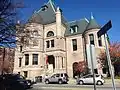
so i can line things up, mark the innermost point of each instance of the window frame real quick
(74, 44)
(48, 44)
(26, 59)
(50, 34)
(52, 43)
(92, 41)
(20, 62)
(35, 60)
(100, 41)
(74, 29)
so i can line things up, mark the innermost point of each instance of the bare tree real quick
(8, 14)
(7, 65)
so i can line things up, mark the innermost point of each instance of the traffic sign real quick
(104, 29)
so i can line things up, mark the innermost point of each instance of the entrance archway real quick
(75, 73)
(51, 60)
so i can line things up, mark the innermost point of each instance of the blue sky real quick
(103, 11)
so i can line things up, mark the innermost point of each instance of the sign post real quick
(92, 64)
(103, 31)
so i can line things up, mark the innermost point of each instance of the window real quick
(48, 44)
(100, 41)
(50, 33)
(57, 75)
(35, 59)
(52, 43)
(44, 8)
(25, 74)
(26, 59)
(20, 60)
(74, 29)
(74, 42)
(91, 36)
(20, 48)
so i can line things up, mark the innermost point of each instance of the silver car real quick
(88, 79)
(57, 78)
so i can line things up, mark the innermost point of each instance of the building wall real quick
(74, 56)
(98, 49)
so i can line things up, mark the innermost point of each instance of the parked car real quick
(14, 82)
(38, 79)
(57, 78)
(88, 79)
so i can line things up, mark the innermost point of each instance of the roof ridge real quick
(51, 5)
(77, 20)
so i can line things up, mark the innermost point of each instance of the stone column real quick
(63, 62)
(30, 59)
(56, 66)
(58, 62)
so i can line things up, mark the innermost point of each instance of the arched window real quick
(50, 33)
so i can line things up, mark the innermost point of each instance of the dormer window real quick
(74, 29)
(44, 8)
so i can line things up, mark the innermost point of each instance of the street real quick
(41, 86)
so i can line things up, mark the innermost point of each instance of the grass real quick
(116, 77)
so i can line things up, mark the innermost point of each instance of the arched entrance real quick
(51, 60)
(75, 73)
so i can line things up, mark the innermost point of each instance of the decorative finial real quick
(18, 22)
(92, 16)
(58, 9)
(52, 1)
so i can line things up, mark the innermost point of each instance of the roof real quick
(92, 24)
(81, 24)
(46, 16)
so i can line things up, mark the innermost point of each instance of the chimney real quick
(58, 22)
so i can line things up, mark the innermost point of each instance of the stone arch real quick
(74, 67)
(50, 33)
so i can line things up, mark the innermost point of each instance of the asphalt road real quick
(71, 87)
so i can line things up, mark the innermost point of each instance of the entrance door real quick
(51, 60)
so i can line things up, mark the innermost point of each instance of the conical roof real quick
(92, 24)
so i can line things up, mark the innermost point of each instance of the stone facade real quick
(50, 49)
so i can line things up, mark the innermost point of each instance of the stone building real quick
(55, 44)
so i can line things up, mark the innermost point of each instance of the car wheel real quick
(60, 81)
(99, 83)
(81, 82)
(47, 81)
